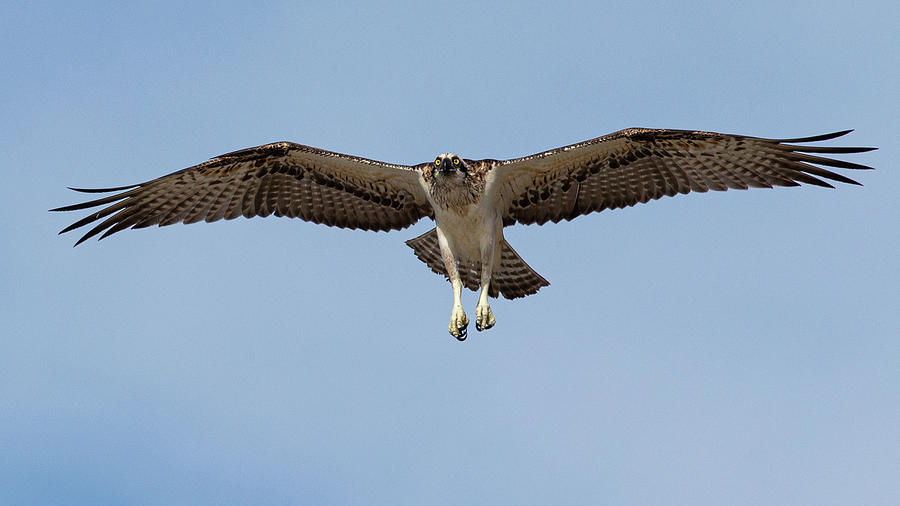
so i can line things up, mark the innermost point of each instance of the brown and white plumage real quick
(637, 165)
(283, 179)
(470, 200)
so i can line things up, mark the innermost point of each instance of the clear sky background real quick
(726, 348)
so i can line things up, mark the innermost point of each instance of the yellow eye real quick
(456, 161)
(437, 161)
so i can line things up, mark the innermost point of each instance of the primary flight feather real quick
(470, 201)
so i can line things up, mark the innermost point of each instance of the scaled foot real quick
(458, 323)
(484, 317)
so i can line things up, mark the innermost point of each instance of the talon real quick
(458, 324)
(460, 333)
(484, 318)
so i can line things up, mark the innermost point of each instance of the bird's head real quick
(449, 165)
(452, 183)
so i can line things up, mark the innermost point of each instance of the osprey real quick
(470, 201)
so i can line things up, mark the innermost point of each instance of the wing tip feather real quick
(817, 138)
(103, 190)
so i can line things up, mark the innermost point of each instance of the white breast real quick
(467, 229)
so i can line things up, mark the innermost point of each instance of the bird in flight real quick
(470, 201)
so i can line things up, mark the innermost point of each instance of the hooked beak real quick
(446, 167)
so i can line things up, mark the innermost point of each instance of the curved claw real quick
(459, 323)
(484, 318)
(461, 332)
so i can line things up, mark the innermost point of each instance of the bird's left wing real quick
(283, 178)
(639, 164)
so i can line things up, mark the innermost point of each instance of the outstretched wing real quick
(283, 178)
(637, 165)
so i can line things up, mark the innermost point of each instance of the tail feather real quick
(513, 278)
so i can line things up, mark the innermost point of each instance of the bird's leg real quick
(459, 322)
(484, 317)
(458, 319)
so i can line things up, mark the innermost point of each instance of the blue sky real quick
(737, 347)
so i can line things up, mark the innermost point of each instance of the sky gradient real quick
(739, 347)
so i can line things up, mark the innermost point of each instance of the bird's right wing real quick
(283, 178)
